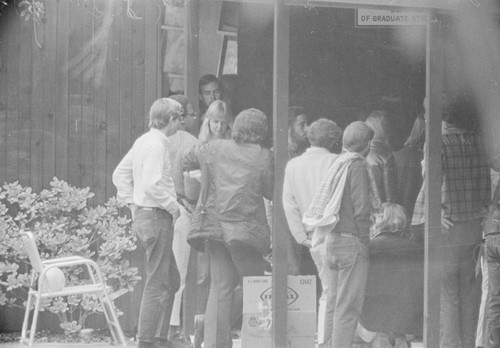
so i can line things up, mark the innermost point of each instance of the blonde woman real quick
(217, 123)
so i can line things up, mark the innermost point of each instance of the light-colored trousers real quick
(181, 250)
(326, 308)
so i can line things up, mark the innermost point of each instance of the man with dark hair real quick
(466, 190)
(144, 181)
(303, 175)
(340, 213)
(210, 90)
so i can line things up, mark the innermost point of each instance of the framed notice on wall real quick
(228, 61)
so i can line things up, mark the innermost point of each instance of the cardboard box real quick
(257, 312)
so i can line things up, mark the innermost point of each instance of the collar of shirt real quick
(158, 133)
(315, 150)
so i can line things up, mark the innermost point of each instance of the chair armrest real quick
(63, 259)
(70, 261)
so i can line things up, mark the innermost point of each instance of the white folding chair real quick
(97, 287)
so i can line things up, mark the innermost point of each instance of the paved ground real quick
(236, 344)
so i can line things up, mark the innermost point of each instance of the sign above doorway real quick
(387, 18)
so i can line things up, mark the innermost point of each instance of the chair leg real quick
(35, 319)
(26, 317)
(112, 319)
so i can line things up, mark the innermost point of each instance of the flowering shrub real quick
(63, 225)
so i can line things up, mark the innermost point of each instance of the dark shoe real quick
(177, 337)
(494, 338)
(199, 329)
(143, 344)
(163, 343)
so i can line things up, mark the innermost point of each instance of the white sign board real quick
(387, 18)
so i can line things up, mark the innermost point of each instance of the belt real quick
(148, 208)
(346, 235)
(152, 209)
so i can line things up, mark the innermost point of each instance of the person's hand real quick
(175, 216)
(133, 210)
(307, 243)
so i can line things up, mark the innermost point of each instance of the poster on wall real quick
(228, 61)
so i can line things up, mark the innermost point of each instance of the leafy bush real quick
(63, 225)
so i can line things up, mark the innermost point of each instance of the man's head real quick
(297, 124)
(210, 91)
(357, 138)
(324, 133)
(165, 115)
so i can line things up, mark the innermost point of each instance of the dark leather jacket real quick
(239, 177)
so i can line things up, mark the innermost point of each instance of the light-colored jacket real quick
(303, 176)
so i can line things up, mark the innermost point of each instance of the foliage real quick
(63, 225)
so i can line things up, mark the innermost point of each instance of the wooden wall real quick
(61, 118)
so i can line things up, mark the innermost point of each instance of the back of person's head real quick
(417, 134)
(357, 136)
(162, 111)
(324, 133)
(462, 111)
(182, 99)
(293, 112)
(250, 126)
(378, 121)
(391, 218)
(206, 79)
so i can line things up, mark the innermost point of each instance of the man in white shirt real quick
(143, 180)
(303, 177)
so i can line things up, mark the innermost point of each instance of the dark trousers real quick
(227, 267)
(154, 230)
(492, 252)
(459, 285)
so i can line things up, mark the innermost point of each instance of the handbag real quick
(194, 237)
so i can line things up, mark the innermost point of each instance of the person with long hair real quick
(231, 224)
(217, 123)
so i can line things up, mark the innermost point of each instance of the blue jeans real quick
(492, 252)
(459, 284)
(227, 267)
(347, 259)
(154, 231)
